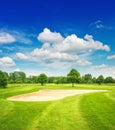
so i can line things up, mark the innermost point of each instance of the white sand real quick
(49, 95)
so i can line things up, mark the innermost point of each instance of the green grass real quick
(99, 111)
(93, 111)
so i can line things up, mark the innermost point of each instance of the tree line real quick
(72, 77)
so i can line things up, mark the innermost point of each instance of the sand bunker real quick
(49, 95)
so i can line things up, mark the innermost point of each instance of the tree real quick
(17, 77)
(94, 80)
(51, 79)
(100, 79)
(87, 78)
(73, 76)
(63, 79)
(3, 80)
(109, 80)
(12, 78)
(42, 78)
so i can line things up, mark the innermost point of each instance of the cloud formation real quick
(6, 62)
(103, 69)
(21, 37)
(63, 52)
(50, 56)
(82, 62)
(111, 57)
(6, 38)
(21, 56)
(71, 44)
(50, 37)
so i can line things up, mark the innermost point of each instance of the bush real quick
(3, 80)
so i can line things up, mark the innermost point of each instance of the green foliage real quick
(57, 80)
(17, 77)
(73, 76)
(6, 74)
(109, 80)
(93, 80)
(20, 77)
(100, 79)
(42, 78)
(3, 80)
(87, 78)
(32, 79)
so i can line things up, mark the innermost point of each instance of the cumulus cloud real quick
(53, 59)
(50, 56)
(111, 57)
(48, 36)
(6, 62)
(6, 38)
(21, 56)
(60, 52)
(71, 43)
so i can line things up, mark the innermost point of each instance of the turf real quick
(94, 111)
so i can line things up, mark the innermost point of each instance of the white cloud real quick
(63, 52)
(58, 60)
(50, 56)
(50, 37)
(111, 57)
(70, 44)
(75, 44)
(102, 66)
(21, 56)
(82, 62)
(103, 70)
(6, 38)
(6, 62)
(21, 37)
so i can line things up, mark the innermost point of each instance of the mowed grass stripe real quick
(22, 115)
(5, 108)
(99, 111)
(71, 113)
(62, 115)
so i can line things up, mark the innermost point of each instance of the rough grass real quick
(94, 111)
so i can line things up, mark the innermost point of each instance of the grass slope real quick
(81, 112)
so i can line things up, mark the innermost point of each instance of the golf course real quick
(86, 111)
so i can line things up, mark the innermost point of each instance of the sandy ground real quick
(49, 95)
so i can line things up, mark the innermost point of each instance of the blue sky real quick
(50, 36)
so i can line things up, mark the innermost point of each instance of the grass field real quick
(93, 111)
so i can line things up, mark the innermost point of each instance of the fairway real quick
(90, 111)
(49, 95)
(57, 65)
